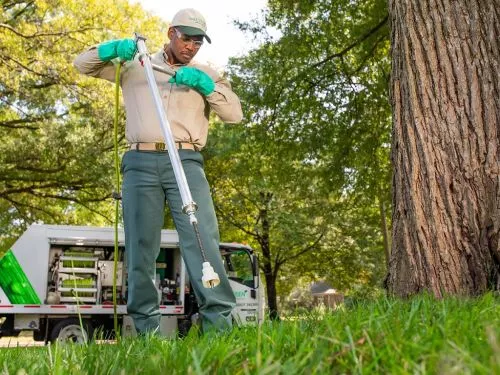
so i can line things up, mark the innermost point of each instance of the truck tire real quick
(69, 330)
(184, 325)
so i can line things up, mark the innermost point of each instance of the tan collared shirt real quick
(187, 110)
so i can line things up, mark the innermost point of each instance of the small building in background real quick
(324, 294)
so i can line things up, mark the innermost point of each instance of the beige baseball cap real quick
(190, 22)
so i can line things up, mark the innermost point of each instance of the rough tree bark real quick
(446, 147)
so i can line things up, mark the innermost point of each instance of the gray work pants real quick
(149, 181)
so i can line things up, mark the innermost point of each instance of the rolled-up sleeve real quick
(225, 103)
(88, 63)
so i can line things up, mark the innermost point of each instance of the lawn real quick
(387, 336)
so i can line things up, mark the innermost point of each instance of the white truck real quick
(70, 269)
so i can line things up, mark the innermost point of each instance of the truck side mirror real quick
(255, 271)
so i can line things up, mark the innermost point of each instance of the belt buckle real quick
(160, 146)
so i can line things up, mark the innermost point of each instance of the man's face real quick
(184, 47)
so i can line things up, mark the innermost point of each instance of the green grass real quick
(388, 336)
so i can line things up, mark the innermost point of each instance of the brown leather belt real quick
(160, 146)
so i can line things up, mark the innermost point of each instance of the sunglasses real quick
(186, 39)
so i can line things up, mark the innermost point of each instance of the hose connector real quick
(210, 278)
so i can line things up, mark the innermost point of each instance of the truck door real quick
(242, 270)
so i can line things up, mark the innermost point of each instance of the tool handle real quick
(189, 206)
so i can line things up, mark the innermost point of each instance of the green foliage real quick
(386, 336)
(56, 126)
(320, 91)
(314, 151)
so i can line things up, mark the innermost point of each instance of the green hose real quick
(117, 202)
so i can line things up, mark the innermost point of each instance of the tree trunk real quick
(446, 109)
(267, 264)
(269, 274)
(272, 300)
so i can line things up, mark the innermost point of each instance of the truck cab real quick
(242, 268)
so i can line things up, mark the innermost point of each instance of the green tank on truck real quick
(14, 282)
(56, 274)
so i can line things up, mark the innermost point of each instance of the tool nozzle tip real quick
(210, 278)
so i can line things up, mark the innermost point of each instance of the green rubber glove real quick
(125, 49)
(195, 78)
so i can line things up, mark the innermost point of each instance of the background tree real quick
(269, 198)
(315, 139)
(56, 125)
(446, 144)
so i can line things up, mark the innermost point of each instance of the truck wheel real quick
(184, 325)
(69, 330)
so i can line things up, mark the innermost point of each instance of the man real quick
(148, 178)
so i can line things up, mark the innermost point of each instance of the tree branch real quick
(7, 5)
(303, 251)
(235, 223)
(12, 124)
(352, 45)
(17, 204)
(37, 35)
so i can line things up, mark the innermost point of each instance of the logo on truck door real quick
(240, 293)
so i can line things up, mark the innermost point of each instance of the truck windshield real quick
(238, 265)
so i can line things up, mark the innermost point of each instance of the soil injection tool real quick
(210, 278)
